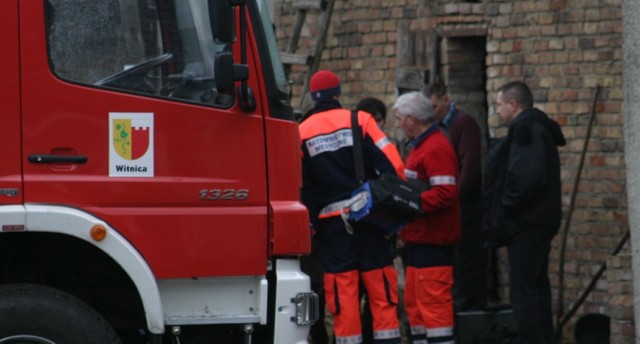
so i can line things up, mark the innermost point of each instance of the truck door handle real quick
(52, 159)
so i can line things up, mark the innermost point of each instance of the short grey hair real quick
(415, 104)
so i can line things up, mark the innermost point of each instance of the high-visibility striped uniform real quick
(367, 255)
(430, 240)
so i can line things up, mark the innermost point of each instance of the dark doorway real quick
(464, 69)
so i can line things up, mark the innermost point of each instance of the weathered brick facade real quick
(563, 49)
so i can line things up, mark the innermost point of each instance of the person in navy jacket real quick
(329, 179)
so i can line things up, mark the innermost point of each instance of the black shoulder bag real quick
(395, 201)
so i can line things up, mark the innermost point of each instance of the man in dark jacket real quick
(525, 208)
(472, 257)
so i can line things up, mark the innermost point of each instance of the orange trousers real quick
(429, 304)
(343, 300)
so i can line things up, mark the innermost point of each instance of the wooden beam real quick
(464, 32)
(294, 59)
(306, 4)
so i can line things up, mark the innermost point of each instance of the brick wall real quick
(620, 306)
(562, 49)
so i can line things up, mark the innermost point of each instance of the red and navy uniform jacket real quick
(328, 166)
(434, 159)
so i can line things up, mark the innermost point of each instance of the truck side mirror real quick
(226, 72)
(222, 20)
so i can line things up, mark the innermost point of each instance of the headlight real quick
(307, 309)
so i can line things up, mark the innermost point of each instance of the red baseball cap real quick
(324, 84)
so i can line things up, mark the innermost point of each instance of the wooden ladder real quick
(312, 62)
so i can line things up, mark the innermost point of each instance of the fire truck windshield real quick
(162, 48)
(274, 53)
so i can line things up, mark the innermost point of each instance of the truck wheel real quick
(33, 314)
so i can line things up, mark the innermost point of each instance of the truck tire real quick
(34, 314)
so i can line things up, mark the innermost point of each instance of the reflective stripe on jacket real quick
(327, 150)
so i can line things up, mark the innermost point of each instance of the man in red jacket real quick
(429, 240)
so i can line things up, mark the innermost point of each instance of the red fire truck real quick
(150, 175)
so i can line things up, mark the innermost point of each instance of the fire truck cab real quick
(150, 175)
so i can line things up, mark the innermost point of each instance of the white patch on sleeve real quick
(330, 142)
(410, 174)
